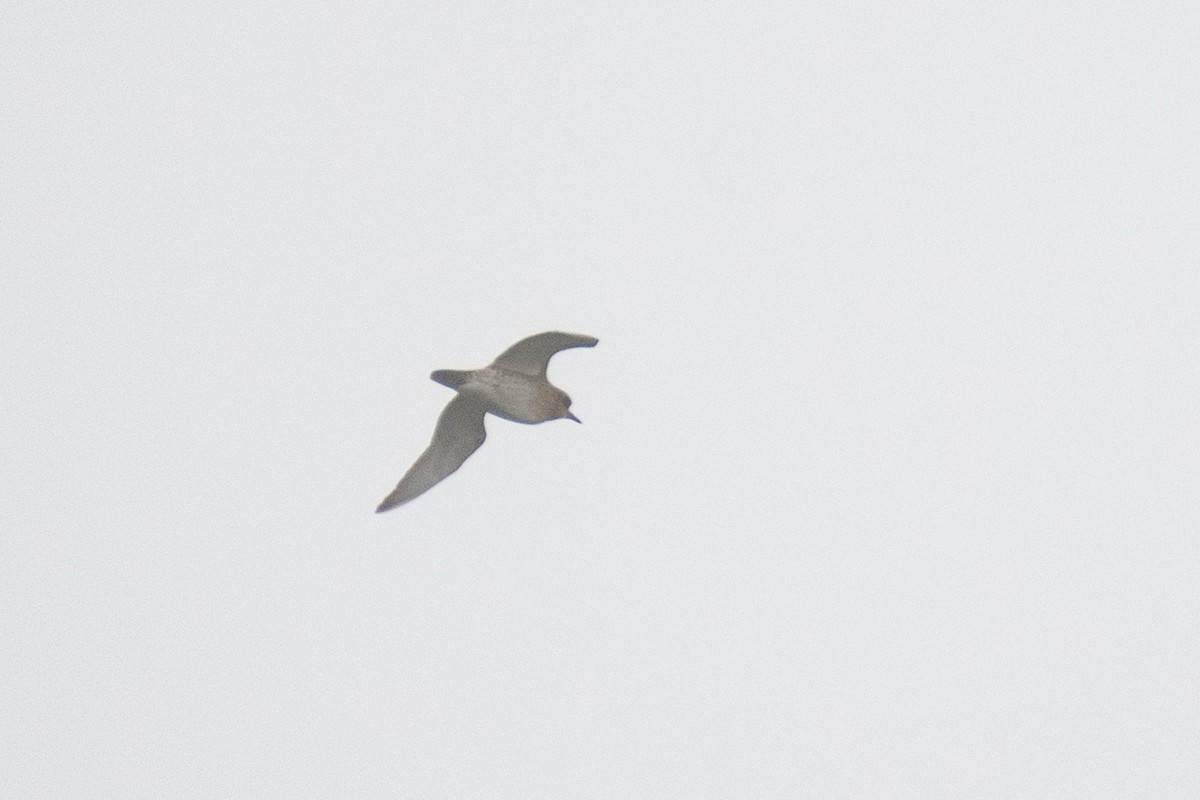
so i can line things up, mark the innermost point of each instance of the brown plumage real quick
(514, 387)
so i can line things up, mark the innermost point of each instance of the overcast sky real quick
(887, 482)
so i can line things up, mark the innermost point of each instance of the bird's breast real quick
(514, 396)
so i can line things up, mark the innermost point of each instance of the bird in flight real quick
(514, 387)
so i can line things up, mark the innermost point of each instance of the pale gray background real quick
(887, 482)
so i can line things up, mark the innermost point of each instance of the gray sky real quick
(887, 482)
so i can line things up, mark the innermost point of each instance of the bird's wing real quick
(459, 433)
(530, 356)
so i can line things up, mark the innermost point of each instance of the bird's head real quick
(566, 409)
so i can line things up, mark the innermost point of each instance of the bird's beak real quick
(571, 416)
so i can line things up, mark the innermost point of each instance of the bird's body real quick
(514, 387)
(514, 395)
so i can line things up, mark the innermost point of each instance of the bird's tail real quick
(453, 378)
